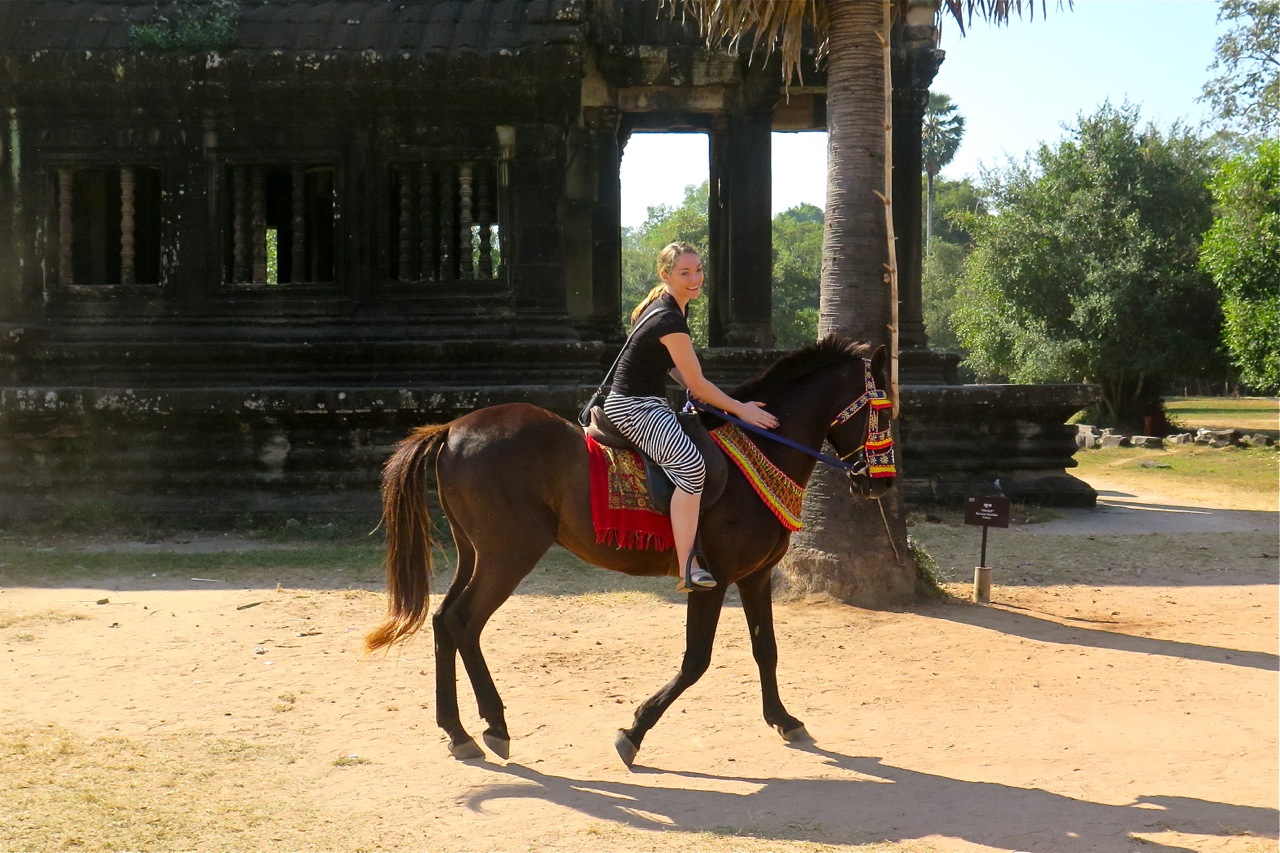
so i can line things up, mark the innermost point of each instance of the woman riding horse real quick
(638, 405)
(513, 480)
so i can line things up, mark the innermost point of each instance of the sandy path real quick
(1139, 713)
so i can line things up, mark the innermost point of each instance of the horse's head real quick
(862, 432)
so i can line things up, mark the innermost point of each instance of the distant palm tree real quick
(940, 136)
(842, 551)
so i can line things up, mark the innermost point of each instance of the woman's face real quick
(684, 281)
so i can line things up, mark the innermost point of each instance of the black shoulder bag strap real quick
(597, 398)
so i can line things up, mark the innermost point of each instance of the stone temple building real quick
(245, 246)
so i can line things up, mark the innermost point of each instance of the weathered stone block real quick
(1179, 439)
(1111, 440)
(1256, 440)
(1216, 437)
(1151, 442)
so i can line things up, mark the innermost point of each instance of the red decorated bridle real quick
(877, 450)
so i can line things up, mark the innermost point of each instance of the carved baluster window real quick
(448, 255)
(426, 222)
(466, 264)
(66, 226)
(279, 223)
(484, 224)
(441, 221)
(258, 209)
(240, 223)
(108, 225)
(127, 226)
(298, 219)
(405, 267)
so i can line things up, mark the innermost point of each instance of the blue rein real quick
(833, 461)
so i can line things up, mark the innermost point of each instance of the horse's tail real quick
(405, 514)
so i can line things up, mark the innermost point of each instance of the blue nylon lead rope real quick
(833, 461)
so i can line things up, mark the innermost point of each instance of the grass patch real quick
(1243, 413)
(48, 617)
(1240, 476)
(304, 563)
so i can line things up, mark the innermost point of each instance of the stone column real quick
(915, 61)
(741, 223)
(606, 219)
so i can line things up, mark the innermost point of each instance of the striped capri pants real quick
(651, 425)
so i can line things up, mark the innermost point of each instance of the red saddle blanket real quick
(621, 510)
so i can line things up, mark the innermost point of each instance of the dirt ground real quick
(1119, 694)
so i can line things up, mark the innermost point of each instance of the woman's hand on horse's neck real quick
(689, 368)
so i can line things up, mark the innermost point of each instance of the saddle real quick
(660, 486)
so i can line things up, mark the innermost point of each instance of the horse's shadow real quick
(880, 802)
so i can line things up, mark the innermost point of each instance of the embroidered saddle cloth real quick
(626, 484)
(622, 510)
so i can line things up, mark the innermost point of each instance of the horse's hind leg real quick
(757, 606)
(461, 744)
(701, 618)
(495, 578)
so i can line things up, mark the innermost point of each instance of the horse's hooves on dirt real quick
(499, 746)
(797, 735)
(463, 750)
(626, 749)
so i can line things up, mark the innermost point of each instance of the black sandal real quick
(695, 577)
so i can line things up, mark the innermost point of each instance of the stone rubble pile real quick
(1089, 437)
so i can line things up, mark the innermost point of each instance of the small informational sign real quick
(987, 511)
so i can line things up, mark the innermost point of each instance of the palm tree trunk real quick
(847, 549)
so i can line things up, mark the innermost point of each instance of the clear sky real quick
(1016, 86)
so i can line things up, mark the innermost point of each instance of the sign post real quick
(986, 511)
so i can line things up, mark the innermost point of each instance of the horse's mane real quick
(833, 349)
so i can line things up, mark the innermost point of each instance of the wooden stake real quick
(887, 198)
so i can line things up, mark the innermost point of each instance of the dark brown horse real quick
(512, 481)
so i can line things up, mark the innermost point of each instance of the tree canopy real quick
(1242, 253)
(1088, 269)
(797, 261)
(1245, 93)
(940, 135)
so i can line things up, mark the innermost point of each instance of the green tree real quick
(941, 132)
(640, 247)
(943, 268)
(797, 266)
(1245, 93)
(1242, 253)
(1088, 269)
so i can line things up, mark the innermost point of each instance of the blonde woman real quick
(638, 405)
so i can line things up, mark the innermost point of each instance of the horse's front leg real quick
(701, 617)
(757, 605)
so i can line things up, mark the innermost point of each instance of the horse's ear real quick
(880, 361)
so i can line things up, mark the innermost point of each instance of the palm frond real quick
(781, 24)
(998, 11)
(770, 24)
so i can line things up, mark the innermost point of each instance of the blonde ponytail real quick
(647, 301)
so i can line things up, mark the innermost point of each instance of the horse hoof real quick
(797, 735)
(626, 749)
(499, 746)
(465, 749)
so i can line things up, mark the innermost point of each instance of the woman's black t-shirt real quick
(642, 369)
